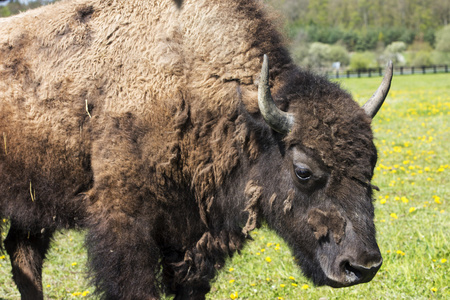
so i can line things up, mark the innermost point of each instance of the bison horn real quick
(372, 106)
(277, 119)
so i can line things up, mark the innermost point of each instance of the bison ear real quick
(277, 119)
(372, 106)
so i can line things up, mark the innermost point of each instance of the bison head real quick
(323, 201)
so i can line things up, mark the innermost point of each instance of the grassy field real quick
(412, 215)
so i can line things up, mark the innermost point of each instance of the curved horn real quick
(372, 106)
(277, 119)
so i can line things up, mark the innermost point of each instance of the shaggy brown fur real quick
(139, 121)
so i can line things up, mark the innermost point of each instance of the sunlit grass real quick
(412, 215)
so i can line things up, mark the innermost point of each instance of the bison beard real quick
(155, 129)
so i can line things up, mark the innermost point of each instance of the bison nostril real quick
(358, 274)
(352, 273)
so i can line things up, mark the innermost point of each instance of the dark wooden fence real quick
(380, 71)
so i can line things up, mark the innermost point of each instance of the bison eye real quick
(302, 173)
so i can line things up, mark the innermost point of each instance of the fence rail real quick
(380, 71)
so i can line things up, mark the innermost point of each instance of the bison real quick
(156, 129)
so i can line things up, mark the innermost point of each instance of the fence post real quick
(412, 70)
(423, 70)
(446, 68)
(359, 73)
(434, 69)
(370, 72)
(348, 73)
(401, 70)
(380, 72)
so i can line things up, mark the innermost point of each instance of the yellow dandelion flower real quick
(382, 201)
(268, 259)
(412, 209)
(76, 294)
(294, 284)
(404, 199)
(74, 264)
(257, 253)
(2, 257)
(437, 199)
(231, 281)
(434, 290)
(85, 293)
(262, 250)
(48, 285)
(234, 295)
(394, 216)
(269, 244)
(252, 284)
(230, 269)
(305, 287)
(291, 277)
(282, 285)
(267, 279)
(443, 261)
(400, 252)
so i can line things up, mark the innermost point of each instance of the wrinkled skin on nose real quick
(345, 258)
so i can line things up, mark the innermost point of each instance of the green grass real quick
(412, 215)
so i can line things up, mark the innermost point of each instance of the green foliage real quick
(443, 39)
(421, 58)
(362, 61)
(4, 11)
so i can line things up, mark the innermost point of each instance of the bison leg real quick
(123, 260)
(27, 252)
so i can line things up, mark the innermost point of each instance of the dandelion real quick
(404, 199)
(305, 287)
(262, 250)
(443, 261)
(268, 259)
(434, 290)
(400, 252)
(282, 285)
(234, 295)
(394, 216)
(76, 294)
(294, 284)
(437, 199)
(85, 293)
(382, 201)
(257, 253)
(231, 281)
(412, 209)
(291, 277)
(230, 269)
(74, 264)
(269, 244)
(2, 257)
(252, 284)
